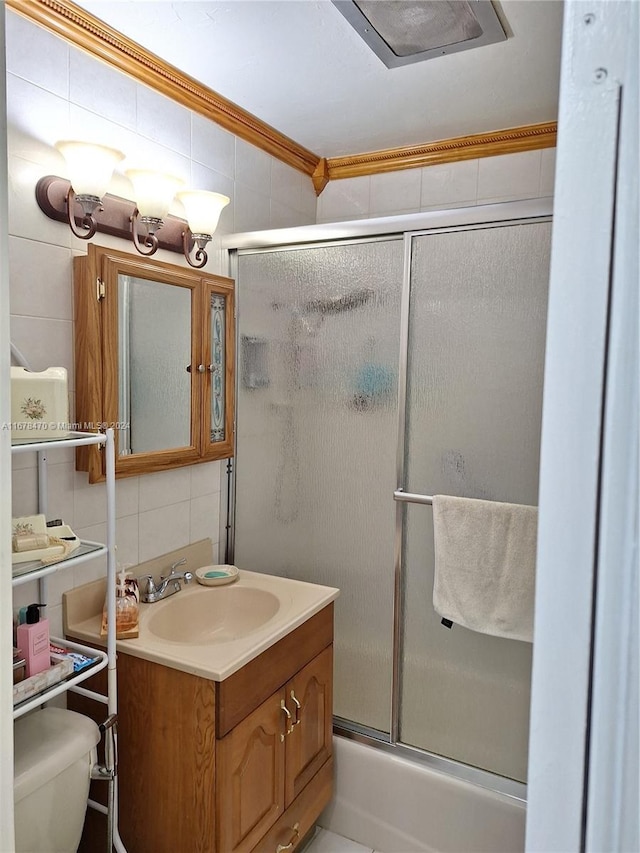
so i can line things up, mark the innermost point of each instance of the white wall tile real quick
(344, 199)
(205, 478)
(127, 540)
(24, 492)
(449, 184)
(164, 488)
(60, 486)
(547, 171)
(252, 212)
(253, 167)
(127, 496)
(89, 502)
(394, 191)
(286, 184)
(40, 279)
(204, 520)
(309, 202)
(44, 342)
(162, 530)
(283, 216)
(160, 118)
(25, 217)
(117, 101)
(213, 146)
(35, 54)
(92, 126)
(509, 176)
(36, 120)
(24, 460)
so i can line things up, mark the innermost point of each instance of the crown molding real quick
(86, 32)
(509, 141)
(81, 29)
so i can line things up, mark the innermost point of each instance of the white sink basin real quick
(217, 615)
(210, 631)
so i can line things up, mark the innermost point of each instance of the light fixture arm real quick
(197, 241)
(89, 206)
(149, 244)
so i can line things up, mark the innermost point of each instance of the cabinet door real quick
(219, 377)
(309, 743)
(250, 772)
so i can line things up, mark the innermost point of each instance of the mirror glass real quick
(154, 356)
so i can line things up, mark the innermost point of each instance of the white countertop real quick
(214, 660)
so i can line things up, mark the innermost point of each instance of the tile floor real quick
(328, 842)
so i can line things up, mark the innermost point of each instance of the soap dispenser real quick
(32, 638)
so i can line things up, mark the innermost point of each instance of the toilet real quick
(54, 751)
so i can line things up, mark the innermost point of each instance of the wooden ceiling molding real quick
(509, 141)
(88, 33)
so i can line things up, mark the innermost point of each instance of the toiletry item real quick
(127, 603)
(39, 404)
(29, 541)
(32, 639)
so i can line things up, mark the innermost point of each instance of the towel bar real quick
(408, 497)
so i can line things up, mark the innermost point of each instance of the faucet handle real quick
(174, 566)
(188, 577)
(150, 588)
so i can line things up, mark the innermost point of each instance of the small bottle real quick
(32, 639)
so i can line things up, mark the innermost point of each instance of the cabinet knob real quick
(294, 838)
(201, 368)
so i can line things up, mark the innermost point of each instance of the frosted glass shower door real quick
(319, 333)
(474, 395)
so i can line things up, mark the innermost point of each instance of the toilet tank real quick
(54, 751)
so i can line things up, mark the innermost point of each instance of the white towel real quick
(485, 557)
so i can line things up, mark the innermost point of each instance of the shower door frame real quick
(405, 227)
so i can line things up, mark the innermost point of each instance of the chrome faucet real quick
(168, 585)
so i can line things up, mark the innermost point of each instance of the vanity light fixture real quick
(145, 220)
(90, 170)
(203, 211)
(153, 193)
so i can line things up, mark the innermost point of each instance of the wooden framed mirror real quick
(155, 358)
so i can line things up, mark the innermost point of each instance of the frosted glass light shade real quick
(203, 209)
(90, 166)
(153, 191)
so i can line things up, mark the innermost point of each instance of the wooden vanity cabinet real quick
(269, 758)
(228, 767)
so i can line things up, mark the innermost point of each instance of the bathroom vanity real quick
(225, 744)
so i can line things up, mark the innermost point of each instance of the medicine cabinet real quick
(154, 358)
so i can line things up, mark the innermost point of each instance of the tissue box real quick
(39, 404)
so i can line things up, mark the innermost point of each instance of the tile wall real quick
(508, 177)
(55, 91)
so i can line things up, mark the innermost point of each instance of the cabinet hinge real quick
(101, 291)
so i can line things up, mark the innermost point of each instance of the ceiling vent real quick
(404, 31)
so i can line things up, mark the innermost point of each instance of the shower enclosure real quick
(375, 370)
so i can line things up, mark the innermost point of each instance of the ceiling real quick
(300, 67)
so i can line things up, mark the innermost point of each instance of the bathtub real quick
(395, 805)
